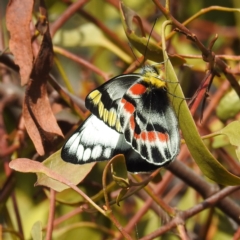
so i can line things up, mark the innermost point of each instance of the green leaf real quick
(120, 175)
(210, 167)
(52, 170)
(73, 172)
(121, 194)
(229, 106)
(88, 35)
(232, 131)
(149, 49)
(119, 171)
(36, 231)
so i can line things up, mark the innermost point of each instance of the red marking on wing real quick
(138, 89)
(163, 137)
(127, 106)
(151, 136)
(144, 136)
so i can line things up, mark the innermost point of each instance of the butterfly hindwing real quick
(95, 141)
(103, 102)
(149, 123)
(92, 141)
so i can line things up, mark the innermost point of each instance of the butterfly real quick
(131, 115)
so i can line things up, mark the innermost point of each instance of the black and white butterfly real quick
(132, 115)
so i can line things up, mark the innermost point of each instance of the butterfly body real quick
(131, 114)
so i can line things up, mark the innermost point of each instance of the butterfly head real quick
(152, 77)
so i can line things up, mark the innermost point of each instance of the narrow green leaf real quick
(36, 231)
(229, 106)
(232, 131)
(88, 35)
(149, 49)
(119, 171)
(210, 167)
(121, 194)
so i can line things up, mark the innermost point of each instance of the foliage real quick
(53, 55)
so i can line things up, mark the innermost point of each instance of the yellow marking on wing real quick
(105, 115)
(95, 96)
(100, 109)
(112, 117)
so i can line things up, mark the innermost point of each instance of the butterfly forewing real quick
(103, 102)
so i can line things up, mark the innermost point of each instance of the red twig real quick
(51, 215)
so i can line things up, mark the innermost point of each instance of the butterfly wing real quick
(149, 123)
(92, 141)
(95, 141)
(103, 102)
(132, 116)
(136, 164)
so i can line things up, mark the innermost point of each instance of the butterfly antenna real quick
(150, 34)
(183, 98)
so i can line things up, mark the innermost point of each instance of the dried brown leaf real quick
(39, 120)
(18, 18)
